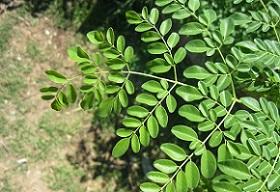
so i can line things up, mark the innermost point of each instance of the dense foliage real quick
(222, 112)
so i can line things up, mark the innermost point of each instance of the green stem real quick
(154, 77)
(264, 6)
(275, 31)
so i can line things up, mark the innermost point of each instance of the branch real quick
(154, 77)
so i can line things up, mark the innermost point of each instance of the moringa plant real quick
(222, 112)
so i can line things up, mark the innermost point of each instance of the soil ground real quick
(35, 140)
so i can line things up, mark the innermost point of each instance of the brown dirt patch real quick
(51, 44)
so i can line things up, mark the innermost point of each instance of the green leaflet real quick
(171, 103)
(252, 185)
(157, 48)
(240, 18)
(161, 3)
(194, 5)
(70, 93)
(137, 111)
(77, 54)
(180, 55)
(173, 40)
(170, 187)
(165, 26)
(171, 8)
(173, 151)
(238, 150)
(159, 66)
(226, 98)
(191, 113)
(181, 182)
(105, 107)
(165, 165)
(192, 28)
(135, 143)
(56, 77)
(121, 147)
(235, 168)
(131, 122)
(210, 15)
(132, 17)
(123, 98)
(149, 187)
(223, 82)
(152, 86)
(129, 87)
(273, 181)
(48, 93)
(147, 99)
(122, 132)
(143, 27)
(154, 15)
(189, 93)
(184, 133)
(110, 36)
(225, 186)
(206, 126)
(214, 92)
(226, 27)
(208, 164)
(116, 78)
(251, 103)
(254, 146)
(150, 36)
(158, 177)
(95, 37)
(197, 46)
(192, 175)
(144, 136)
(223, 153)
(116, 64)
(153, 127)
(197, 72)
(216, 139)
(55, 105)
(129, 54)
(161, 116)
(121, 43)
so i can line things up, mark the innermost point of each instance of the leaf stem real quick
(264, 6)
(155, 77)
(275, 31)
